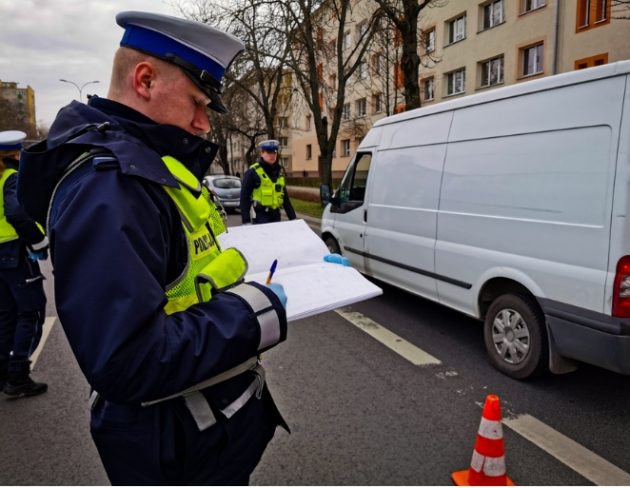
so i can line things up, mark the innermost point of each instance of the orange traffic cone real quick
(487, 467)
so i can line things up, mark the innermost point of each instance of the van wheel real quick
(332, 245)
(515, 336)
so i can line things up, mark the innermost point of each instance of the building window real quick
(347, 40)
(592, 13)
(308, 122)
(361, 106)
(532, 60)
(428, 87)
(456, 82)
(377, 103)
(345, 112)
(429, 41)
(529, 5)
(284, 141)
(492, 71)
(456, 29)
(362, 73)
(345, 147)
(492, 14)
(377, 61)
(283, 122)
(309, 151)
(332, 81)
(361, 30)
(284, 162)
(591, 61)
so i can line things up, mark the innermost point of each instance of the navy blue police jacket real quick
(116, 243)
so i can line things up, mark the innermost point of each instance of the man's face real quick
(269, 157)
(177, 101)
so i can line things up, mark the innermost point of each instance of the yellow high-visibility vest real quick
(7, 231)
(268, 194)
(208, 269)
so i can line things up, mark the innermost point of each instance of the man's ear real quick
(143, 78)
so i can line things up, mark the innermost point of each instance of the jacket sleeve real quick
(24, 225)
(249, 183)
(113, 239)
(288, 206)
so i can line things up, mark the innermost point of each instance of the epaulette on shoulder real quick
(106, 162)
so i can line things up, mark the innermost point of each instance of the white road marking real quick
(593, 467)
(46, 328)
(397, 344)
(581, 460)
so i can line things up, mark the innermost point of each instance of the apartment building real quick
(466, 46)
(23, 99)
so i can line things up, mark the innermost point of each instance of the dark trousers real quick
(266, 215)
(22, 313)
(161, 444)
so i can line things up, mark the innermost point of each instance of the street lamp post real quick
(77, 86)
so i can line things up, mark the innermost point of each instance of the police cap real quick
(11, 140)
(202, 52)
(269, 146)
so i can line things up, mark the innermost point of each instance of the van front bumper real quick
(588, 336)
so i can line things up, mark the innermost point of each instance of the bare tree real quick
(404, 14)
(308, 22)
(258, 73)
(243, 122)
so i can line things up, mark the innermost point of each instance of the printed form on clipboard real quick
(312, 286)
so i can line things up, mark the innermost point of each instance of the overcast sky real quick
(42, 41)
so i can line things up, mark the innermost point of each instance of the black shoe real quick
(26, 388)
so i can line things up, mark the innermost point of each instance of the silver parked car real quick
(226, 188)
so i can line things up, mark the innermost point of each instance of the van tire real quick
(520, 353)
(332, 245)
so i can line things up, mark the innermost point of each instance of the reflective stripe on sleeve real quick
(267, 317)
(40, 245)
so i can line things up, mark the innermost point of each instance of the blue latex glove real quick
(278, 289)
(337, 259)
(37, 255)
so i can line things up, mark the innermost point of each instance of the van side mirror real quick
(324, 194)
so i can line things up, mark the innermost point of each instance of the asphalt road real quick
(360, 413)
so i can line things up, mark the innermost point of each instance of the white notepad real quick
(312, 286)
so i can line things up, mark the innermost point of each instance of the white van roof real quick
(541, 84)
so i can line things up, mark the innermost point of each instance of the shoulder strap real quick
(102, 159)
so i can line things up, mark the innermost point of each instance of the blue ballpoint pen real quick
(272, 270)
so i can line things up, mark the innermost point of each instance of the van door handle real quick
(365, 216)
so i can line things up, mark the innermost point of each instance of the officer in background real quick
(157, 314)
(22, 298)
(264, 188)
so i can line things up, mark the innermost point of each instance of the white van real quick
(511, 206)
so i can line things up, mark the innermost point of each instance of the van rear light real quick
(621, 289)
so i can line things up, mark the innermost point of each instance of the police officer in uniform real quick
(264, 188)
(157, 314)
(22, 298)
